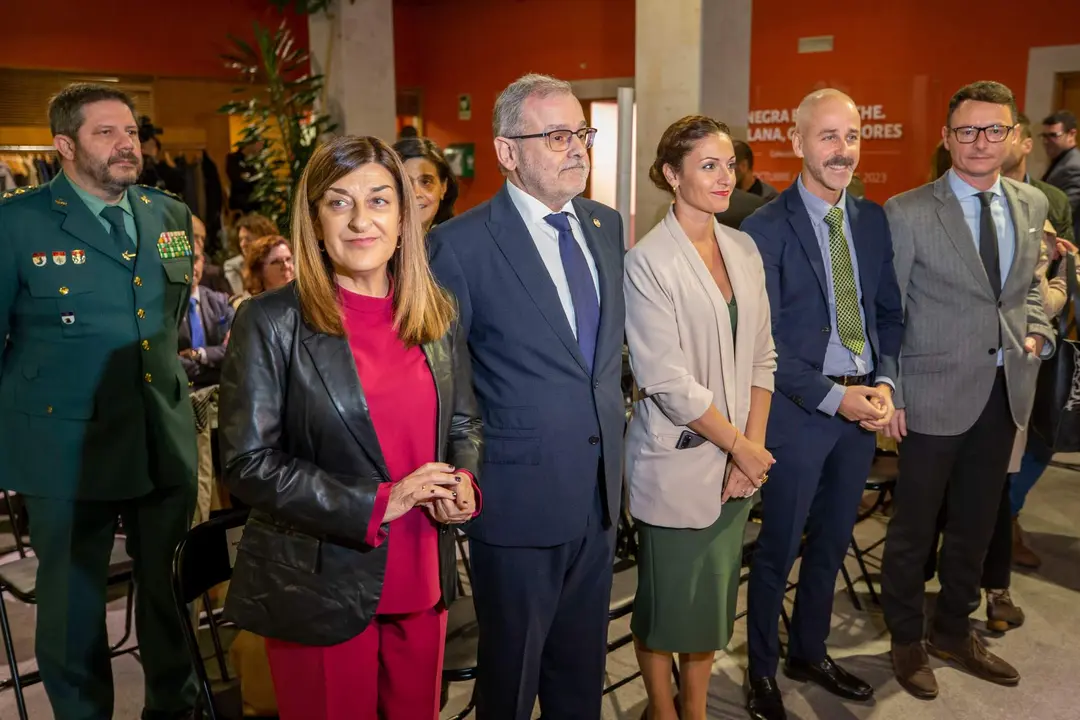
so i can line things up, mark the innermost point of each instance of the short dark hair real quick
(1023, 123)
(743, 152)
(65, 108)
(677, 141)
(986, 91)
(409, 148)
(1065, 117)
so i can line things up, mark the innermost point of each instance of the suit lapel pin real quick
(61, 202)
(596, 222)
(144, 199)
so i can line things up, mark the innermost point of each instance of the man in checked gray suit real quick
(965, 249)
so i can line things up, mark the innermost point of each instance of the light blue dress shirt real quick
(839, 361)
(1003, 224)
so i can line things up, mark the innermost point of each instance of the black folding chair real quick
(20, 579)
(462, 636)
(882, 480)
(200, 563)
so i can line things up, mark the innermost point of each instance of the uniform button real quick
(138, 281)
(992, 351)
(49, 409)
(145, 344)
(148, 377)
(64, 291)
(596, 383)
(141, 313)
(594, 440)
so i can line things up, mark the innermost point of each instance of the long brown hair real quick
(422, 310)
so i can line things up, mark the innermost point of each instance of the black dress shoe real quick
(763, 700)
(830, 676)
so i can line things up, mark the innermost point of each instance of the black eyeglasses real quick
(970, 133)
(559, 140)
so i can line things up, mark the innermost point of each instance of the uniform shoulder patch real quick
(162, 191)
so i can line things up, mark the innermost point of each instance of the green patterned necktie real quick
(848, 321)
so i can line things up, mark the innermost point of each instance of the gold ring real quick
(764, 479)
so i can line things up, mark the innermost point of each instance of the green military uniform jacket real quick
(1060, 212)
(93, 399)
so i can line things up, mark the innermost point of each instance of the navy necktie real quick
(198, 335)
(582, 289)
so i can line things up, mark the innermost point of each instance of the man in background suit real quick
(213, 276)
(742, 206)
(204, 330)
(95, 423)
(537, 272)
(1059, 140)
(745, 179)
(966, 249)
(837, 324)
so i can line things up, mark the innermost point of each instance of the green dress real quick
(688, 579)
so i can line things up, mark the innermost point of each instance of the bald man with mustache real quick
(837, 323)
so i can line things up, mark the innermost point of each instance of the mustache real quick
(130, 157)
(840, 161)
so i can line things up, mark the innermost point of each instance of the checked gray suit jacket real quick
(948, 360)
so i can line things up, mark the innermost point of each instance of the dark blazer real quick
(298, 445)
(90, 371)
(801, 320)
(741, 206)
(1059, 213)
(217, 317)
(213, 277)
(548, 422)
(1064, 174)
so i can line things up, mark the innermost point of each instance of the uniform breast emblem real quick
(78, 257)
(39, 259)
(59, 257)
(68, 318)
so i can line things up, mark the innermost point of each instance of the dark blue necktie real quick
(582, 289)
(198, 336)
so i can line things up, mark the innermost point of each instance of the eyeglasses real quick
(970, 133)
(1051, 135)
(559, 140)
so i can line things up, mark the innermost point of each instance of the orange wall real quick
(180, 39)
(480, 46)
(899, 59)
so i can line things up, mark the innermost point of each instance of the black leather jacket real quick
(298, 445)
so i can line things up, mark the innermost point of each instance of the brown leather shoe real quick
(1001, 614)
(912, 667)
(1022, 555)
(970, 654)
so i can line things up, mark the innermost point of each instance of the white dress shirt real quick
(546, 239)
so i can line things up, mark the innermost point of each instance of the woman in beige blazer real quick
(698, 328)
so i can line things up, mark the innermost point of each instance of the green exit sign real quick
(462, 159)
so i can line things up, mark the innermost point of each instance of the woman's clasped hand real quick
(446, 496)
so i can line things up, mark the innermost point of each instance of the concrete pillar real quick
(692, 57)
(352, 44)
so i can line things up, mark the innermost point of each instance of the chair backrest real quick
(205, 557)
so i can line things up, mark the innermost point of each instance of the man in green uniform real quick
(95, 420)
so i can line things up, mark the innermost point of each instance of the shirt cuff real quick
(831, 402)
(376, 535)
(476, 490)
(885, 381)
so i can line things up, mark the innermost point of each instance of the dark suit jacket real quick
(93, 400)
(742, 205)
(1065, 175)
(548, 422)
(798, 297)
(217, 317)
(310, 469)
(213, 277)
(1059, 214)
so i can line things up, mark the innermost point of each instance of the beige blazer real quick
(679, 333)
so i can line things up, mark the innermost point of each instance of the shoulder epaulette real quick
(20, 192)
(163, 191)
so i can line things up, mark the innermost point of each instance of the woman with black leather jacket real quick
(348, 423)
